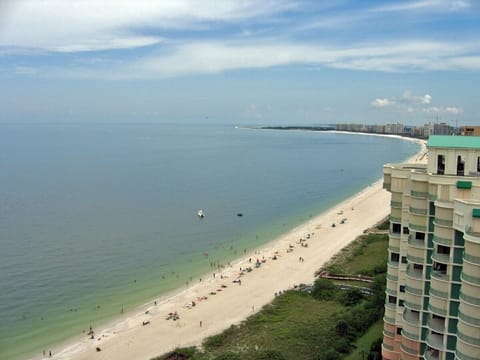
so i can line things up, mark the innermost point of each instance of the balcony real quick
(474, 300)
(461, 356)
(417, 227)
(415, 259)
(469, 319)
(468, 339)
(442, 241)
(471, 279)
(396, 204)
(412, 290)
(435, 341)
(439, 275)
(442, 258)
(471, 259)
(442, 222)
(416, 242)
(471, 235)
(417, 211)
(440, 294)
(437, 310)
(419, 194)
(414, 273)
(437, 325)
(408, 350)
(411, 317)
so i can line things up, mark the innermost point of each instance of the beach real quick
(229, 295)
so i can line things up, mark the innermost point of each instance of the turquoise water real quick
(95, 218)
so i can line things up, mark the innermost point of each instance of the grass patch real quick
(362, 345)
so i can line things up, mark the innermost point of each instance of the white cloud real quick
(424, 5)
(379, 103)
(76, 25)
(411, 103)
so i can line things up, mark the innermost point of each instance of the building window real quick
(441, 268)
(460, 166)
(406, 231)
(402, 288)
(443, 250)
(394, 257)
(441, 164)
(399, 331)
(396, 228)
(419, 236)
(392, 299)
(418, 267)
(478, 164)
(401, 303)
(404, 260)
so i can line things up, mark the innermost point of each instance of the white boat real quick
(201, 214)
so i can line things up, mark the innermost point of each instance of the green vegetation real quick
(329, 322)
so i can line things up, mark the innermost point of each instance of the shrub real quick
(351, 297)
(269, 355)
(229, 355)
(323, 289)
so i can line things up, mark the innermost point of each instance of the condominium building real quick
(432, 307)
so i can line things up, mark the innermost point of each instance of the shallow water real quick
(95, 218)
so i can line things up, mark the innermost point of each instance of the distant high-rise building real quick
(432, 307)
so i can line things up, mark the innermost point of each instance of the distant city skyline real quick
(240, 62)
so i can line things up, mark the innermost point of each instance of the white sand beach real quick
(220, 302)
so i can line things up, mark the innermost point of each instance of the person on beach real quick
(200, 323)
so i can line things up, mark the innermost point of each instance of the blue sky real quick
(240, 62)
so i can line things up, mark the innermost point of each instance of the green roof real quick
(450, 141)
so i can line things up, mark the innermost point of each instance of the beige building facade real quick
(432, 307)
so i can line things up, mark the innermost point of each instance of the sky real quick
(244, 62)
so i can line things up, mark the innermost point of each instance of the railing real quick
(395, 219)
(437, 310)
(387, 346)
(422, 228)
(443, 222)
(417, 211)
(408, 349)
(472, 259)
(469, 319)
(470, 278)
(439, 275)
(394, 248)
(396, 204)
(474, 300)
(410, 336)
(443, 258)
(388, 333)
(415, 259)
(438, 293)
(388, 319)
(460, 356)
(419, 194)
(416, 274)
(415, 242)
(468, 339)
(413, 290)
(392, 277)
(413, 306)
(443, 241)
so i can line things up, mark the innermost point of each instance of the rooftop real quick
(450, 141)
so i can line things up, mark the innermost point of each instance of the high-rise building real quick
(432, 307)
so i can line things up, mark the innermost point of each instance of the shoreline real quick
(145, 333)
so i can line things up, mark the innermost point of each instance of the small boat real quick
(201, 214)
(239, 214)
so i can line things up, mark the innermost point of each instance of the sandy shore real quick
(221, 302)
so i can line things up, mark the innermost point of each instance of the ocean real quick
(96, 219)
